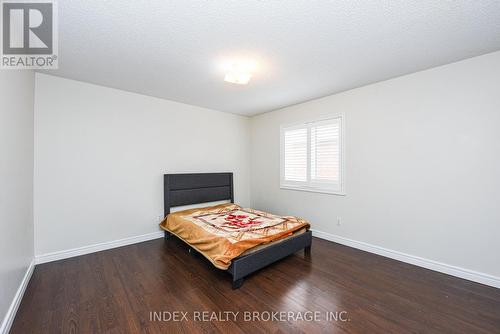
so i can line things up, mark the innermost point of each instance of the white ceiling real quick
(305, 49)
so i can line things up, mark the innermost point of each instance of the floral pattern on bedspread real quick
(242, 224)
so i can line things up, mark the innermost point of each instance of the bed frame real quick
(186, 189)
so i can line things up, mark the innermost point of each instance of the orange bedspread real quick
(223, 232)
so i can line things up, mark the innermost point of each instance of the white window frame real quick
(309, 185)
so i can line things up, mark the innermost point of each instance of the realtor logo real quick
(29, 34)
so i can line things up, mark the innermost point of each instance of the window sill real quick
(314, 190)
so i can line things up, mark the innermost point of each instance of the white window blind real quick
(296, 155)
(312, 156)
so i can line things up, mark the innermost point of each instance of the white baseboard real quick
(65, 254)
(467, 274)
(11, 312)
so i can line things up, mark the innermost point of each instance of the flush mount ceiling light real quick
(240, 72)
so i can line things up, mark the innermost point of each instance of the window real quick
(312, 156)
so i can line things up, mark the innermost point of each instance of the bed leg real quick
(307, 251)
(167, 235)
(238, 283)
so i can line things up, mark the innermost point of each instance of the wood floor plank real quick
(115, 291)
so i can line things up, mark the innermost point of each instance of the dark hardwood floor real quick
(114, 292)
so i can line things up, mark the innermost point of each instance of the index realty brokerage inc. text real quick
(277, 316)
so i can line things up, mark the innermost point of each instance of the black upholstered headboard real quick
(185, 189)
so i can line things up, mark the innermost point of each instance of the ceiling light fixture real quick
(240, 72)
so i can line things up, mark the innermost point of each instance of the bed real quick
(250, 251)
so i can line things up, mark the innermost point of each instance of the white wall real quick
(423, 164)
(16, 184)
(101, 153)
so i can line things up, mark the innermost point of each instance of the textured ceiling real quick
(305, 49)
